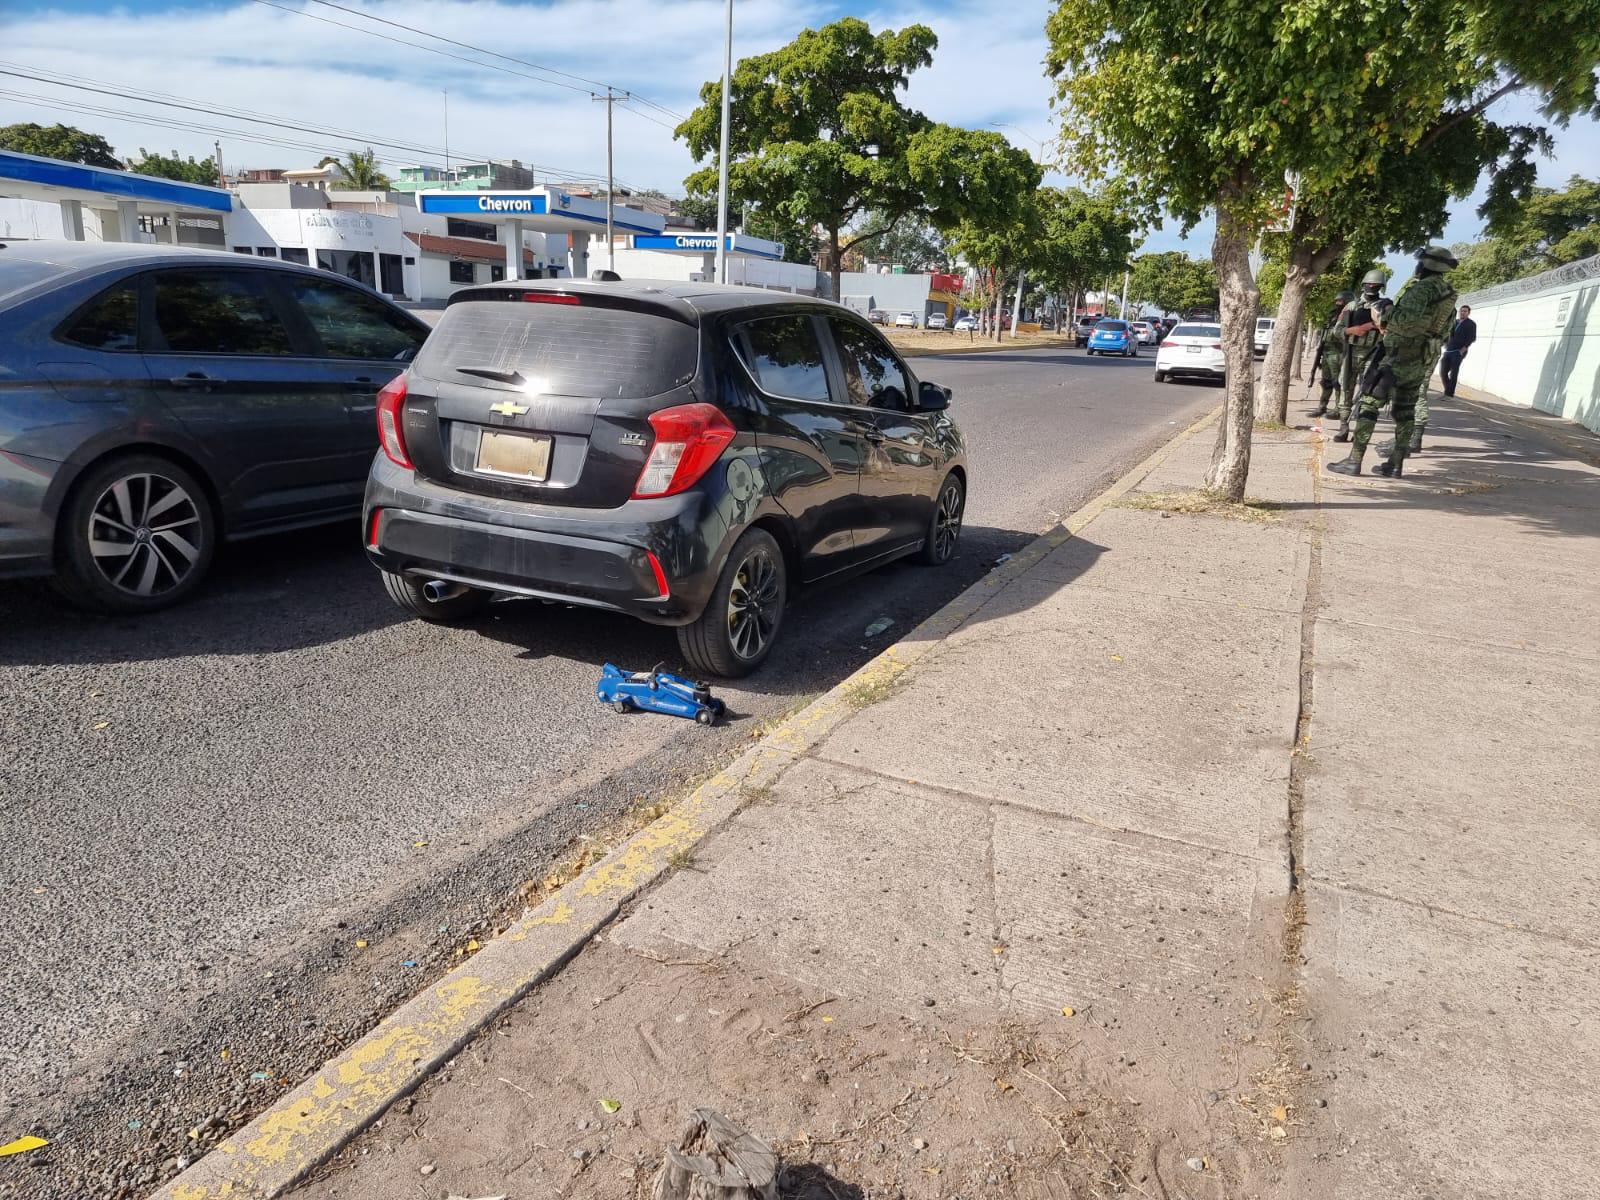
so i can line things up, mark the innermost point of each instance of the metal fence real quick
(1557, 277)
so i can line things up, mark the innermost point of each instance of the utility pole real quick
(222, 180)
(446, 95)
(611, 187)
(1122, 305)
(722, 157)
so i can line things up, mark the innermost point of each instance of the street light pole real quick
(722, 156)
(611, 182)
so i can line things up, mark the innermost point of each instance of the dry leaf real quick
(610, 1106)
(361, 943)
(1116, 658)
(1069, 1011)
(102, 725)
(1002, 1084)
(1280, 1113)
(474, 945)
(1278, 1133)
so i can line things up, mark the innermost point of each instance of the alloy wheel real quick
(947, 521)
(144, 534)
(755, 603)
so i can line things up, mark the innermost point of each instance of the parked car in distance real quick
(685, 453)
(1113, 337)
(1264, 328)
(906, 320)
(159, 400)
(1193, 350)
(937, 320)
(1146, 332)
(966, 323)
(878, 316)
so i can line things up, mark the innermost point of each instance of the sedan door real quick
(230, 363)
(811, 442)
(898, 474)
(363, 342)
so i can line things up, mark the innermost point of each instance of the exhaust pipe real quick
(438, 590)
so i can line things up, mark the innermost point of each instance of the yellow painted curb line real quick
(308, 1125)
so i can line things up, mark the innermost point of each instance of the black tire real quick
(744, 615)
(705, 717)
(408, 594)
(137, 534)
(944, 524)
(1161, 376)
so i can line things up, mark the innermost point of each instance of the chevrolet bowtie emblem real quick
(507, 409)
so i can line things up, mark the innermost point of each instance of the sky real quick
(270, 58)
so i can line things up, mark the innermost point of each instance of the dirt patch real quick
(923, 341)
(1202, 503)
(858, 1101)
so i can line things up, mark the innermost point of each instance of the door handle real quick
(194, 379)
(362, 379)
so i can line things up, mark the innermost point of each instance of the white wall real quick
(1542, 348)
(658, 264)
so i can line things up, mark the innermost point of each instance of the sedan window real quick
(352, 324)
(108, 322)
(786, 357)
(217, 312)
(871, 374)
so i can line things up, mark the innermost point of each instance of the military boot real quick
(1392, 467)
(1350, 465)
(1416, 438)
(1320, 410)
(1344, 429)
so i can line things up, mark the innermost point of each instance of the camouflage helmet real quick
(1375, 278)
(1344, 297)
(1436, 257)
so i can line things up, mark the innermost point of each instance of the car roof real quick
(702, 297)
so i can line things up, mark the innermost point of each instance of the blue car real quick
(1113, 337)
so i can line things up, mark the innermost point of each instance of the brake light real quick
(1215, 345)
(1168, 345)
(689, 438)
(391, 432)
(549, 298)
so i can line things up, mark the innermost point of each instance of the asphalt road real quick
(209, 807)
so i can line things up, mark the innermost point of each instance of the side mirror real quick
(932, 398)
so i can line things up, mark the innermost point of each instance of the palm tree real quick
(360, 169)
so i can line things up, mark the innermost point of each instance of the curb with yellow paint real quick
(308, 1125)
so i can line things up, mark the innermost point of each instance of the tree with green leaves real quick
(59, 141)
(361, 171)
(908, 242)
(175, 166)
(1352, 103)
(819, 134)
(1173, 282)
(1553, 227)
(1082, 238)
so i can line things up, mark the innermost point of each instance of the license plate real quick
(1194, 349)
(514, 455)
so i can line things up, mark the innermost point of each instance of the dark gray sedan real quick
(157, 400)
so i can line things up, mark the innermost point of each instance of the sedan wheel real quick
(944, 527)
(137, 535)
(736, 632)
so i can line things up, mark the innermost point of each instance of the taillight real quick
(391, 435)
(689, 438)
(372, 527)
(1168, 345)
(662, 591)
(1215, 345)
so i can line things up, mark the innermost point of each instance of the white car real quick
(906, 320)
(937, 321)
(1264, 328)
(1194, 350)
(965, 324)
(1147, 333)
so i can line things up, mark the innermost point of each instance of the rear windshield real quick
(1264, 322)
(562, 349)
(1112, 326)
(18, 273)
(1205, 331)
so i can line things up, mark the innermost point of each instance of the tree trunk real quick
(835, 265)
(999, 300)
(1240, 301)
(1305, 267)
(716, 1160)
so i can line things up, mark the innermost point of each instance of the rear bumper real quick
(599, 558)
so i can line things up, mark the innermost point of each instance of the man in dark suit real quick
(1462, 334)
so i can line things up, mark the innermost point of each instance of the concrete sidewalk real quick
(1211, 856)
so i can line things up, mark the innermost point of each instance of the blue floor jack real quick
(657, 691)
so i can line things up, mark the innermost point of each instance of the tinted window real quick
(1112, 326)
(563, 349)
(352, 324)
(217, 312)
(109, 322)
(786, 357)
(1205, 331)
(871, 374)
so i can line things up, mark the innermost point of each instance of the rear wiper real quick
(512, 377)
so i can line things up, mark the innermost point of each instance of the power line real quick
(366, 16)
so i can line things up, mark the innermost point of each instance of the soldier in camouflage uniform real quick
(1361, 334)
(1412, 330)
(1331, 352)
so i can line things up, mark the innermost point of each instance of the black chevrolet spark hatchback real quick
(685, 453)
